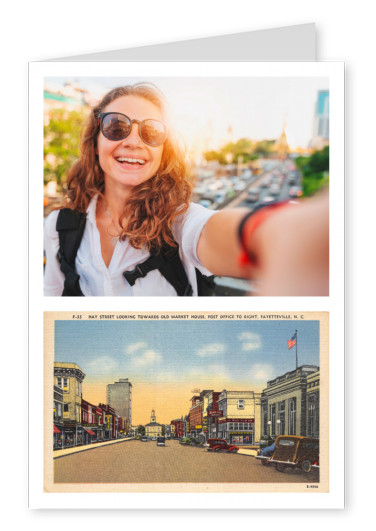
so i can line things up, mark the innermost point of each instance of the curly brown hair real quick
(153, 205)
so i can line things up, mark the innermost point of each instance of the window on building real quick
(66, 408)
(313, 422)
(264, 419)
(281, 417)
(292, 416)
(273, 419)
(241, 404)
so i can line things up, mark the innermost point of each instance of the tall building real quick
(68, 379)
(119, 397)
(320, 137)
(281, 146)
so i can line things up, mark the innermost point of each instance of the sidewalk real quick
(247, 451)
(86, 447)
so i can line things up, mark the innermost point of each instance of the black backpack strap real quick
(205, 284)
(168, 262)
(70, 225)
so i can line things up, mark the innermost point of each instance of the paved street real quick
(143, 462)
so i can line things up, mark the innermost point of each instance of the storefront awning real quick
(56, 430)
(90, 432)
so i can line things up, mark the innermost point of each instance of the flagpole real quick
(296, 347)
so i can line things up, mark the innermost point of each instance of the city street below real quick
(134, 461)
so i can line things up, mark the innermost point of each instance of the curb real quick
(68, 451)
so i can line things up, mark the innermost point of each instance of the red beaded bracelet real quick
(248, 226)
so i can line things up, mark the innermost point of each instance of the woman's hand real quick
(292, 250)
(291, 247)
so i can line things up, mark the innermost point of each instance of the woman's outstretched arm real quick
(289, 248)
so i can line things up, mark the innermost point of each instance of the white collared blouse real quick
(98, 280)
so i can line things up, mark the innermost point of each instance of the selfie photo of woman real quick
(134, 219)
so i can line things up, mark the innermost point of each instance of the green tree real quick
(61, 144)
(141, 429)
(264, 147)
(241, 148)
(214, 155)
(315, 170)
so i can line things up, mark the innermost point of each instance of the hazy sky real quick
(166, 360)
(203, 109)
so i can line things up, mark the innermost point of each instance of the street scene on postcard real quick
(186, 401)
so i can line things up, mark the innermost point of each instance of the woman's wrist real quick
(248, 227)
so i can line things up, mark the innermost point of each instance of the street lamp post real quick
(270, 428)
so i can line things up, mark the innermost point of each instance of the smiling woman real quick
(131, 190)
(127, 227)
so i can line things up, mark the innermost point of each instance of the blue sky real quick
(160, 350)
(166, 360)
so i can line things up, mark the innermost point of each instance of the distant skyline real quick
(209, 112)
(166, 360)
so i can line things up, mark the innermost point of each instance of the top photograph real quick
(186, 186)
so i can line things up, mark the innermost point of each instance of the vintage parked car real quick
(161, 441)
(294, 451)
(266, 440)
(144, 438)
(221, 445)
(267, 453)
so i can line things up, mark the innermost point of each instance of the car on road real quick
(266, 453)
(221, 445)
(161, 441)
(295, 191)
(144, 438)
(268, 199)
(205, 203)
(265, 441)
(274, 189)
(253, 195)
(294, 451)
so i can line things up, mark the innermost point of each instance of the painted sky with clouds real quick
(166, 360)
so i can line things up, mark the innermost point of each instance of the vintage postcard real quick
(186, 402)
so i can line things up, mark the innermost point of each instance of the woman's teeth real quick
(130, 161)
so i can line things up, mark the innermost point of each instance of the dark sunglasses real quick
(117, 126)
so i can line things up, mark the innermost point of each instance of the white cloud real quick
(103, 365)
(211, 350)
(250, 341)
(150, 357)
(164, 377)
(218, 371)
(131, 349)
(260, 373)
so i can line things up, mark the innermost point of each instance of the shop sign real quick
(215, 413)
(199, 427)
(240, 420)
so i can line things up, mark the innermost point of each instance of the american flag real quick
(291, 342)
